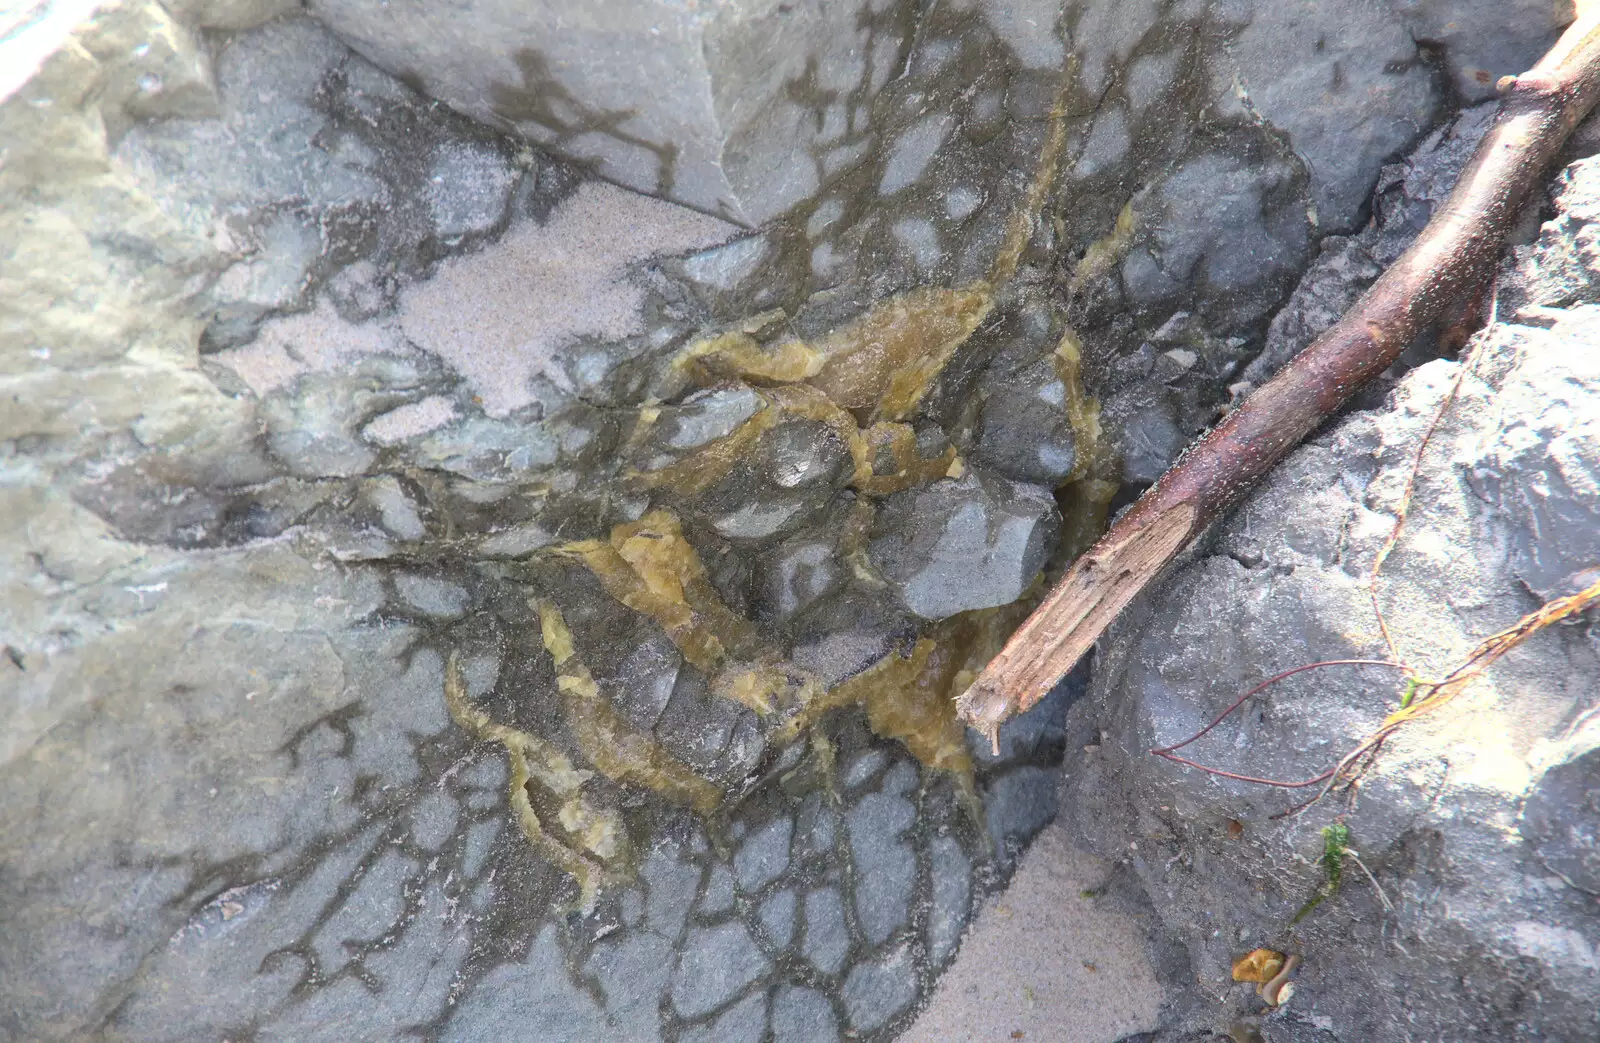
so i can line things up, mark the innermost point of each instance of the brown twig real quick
(1451, 257)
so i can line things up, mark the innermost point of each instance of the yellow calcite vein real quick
(612, 744)
(596, 838)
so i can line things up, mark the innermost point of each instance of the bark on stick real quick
(1453, 255)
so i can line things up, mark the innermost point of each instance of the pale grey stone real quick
(803, 1016)
(725, 267)
(962, 544)
(430, 595)
(885, 865)
(1105, 35)
(777, 917)
(1029, 29)
(671, 891)
(398, 513)
(754, 521)
(433, 820)
(630, 907)
(705, 417)
(371, 910)
(1540, 464)
(817, 823)
(1107, 145)
(632, 972)
(1143, 422)
(910, 154)
(716, 963)
(469, 187)
(1023, 428)
(796, 574)
(876, 992)
(480, 841)
(744, 1022)
(719, 891)
(920, 239)
(1149, 75)
(952, 888)
(692, 103)
(827, 938)
(764, 854)
(538, 990)
(864, 767)
(961, 201)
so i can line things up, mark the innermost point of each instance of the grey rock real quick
(885, 865)
(875, 993)
(744, 1022)
(1023, 429)
(691, 104)
(433, 820)
(1288, 573)
(952, 893)
(1017, 805)
(1408, 194)
(672, 885)
(1539, 461)
(803, 1016)
(864, 768)
(725, 268)
(1484, 41)
(469, 188)
(1559, 818)
(817, 824)
(719, 891)
(777, 917)
(1143, 422)
(716, 964)
(536, 991)
(632, 972)
(827, 940)
(431, 596)
(1234, 233)
(795, 574)
(962, 544)
(1310, 72)
(764, 854)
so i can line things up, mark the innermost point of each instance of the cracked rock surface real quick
(494, 518)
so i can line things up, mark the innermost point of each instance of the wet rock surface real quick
(450, 593)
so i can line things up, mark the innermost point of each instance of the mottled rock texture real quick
(446, 592)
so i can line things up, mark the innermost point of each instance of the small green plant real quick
(1335, 841)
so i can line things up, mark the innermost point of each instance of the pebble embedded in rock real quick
(716, 963)
(963, 544)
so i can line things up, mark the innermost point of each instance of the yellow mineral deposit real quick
(650, 567)
(863, 381)
(585, 841)
(621, 752)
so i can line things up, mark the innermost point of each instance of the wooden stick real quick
(1453, 256)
